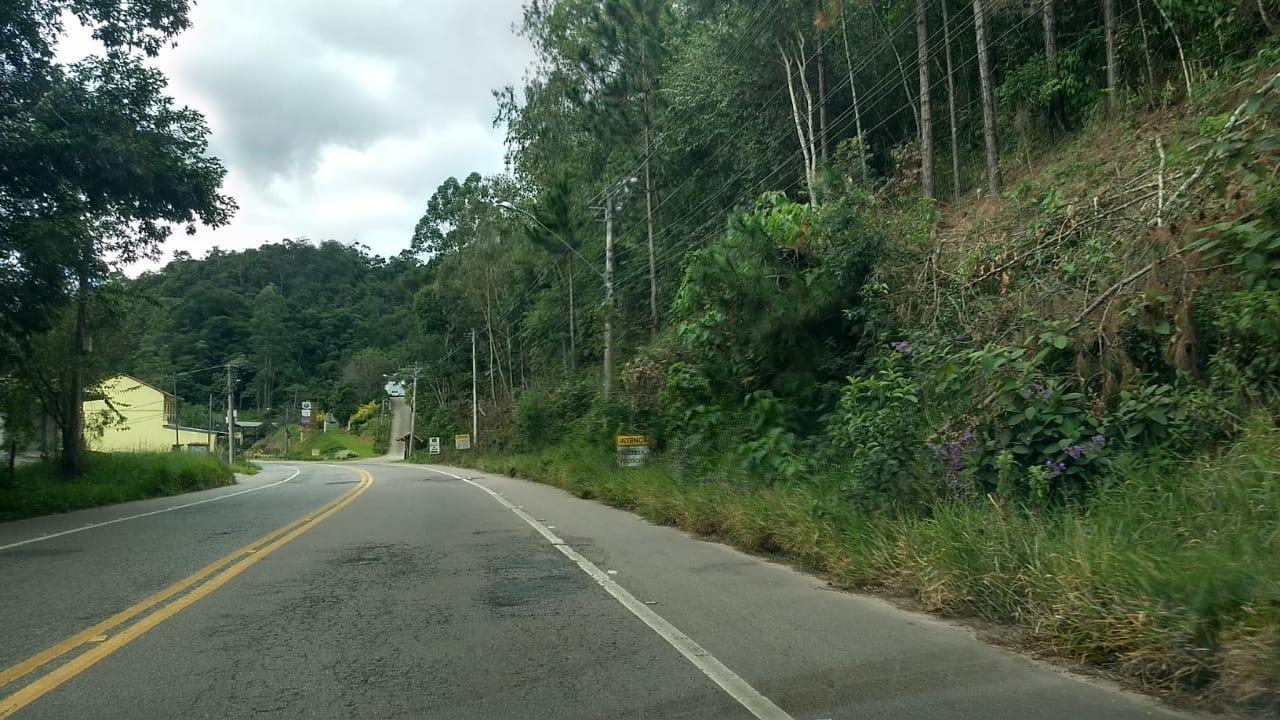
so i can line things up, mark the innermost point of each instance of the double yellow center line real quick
(154, 610)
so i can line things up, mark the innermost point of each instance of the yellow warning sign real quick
(632, 441)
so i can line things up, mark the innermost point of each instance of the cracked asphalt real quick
(426, 598)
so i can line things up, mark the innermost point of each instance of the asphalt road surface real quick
(380, 591)
(400, 419)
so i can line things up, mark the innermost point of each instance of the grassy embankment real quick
(38, 490)
(1169, 575)
(315, 445)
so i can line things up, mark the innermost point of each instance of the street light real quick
(504, 205)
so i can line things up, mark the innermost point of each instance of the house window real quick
(168, 411)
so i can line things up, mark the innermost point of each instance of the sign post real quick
(306, 413)
(462, 442)
(633, 450)
(433, 445)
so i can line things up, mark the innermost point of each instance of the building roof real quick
(140, 382)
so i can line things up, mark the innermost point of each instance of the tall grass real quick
(37, 489)
(1169, 574)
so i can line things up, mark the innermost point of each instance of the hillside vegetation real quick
(976, 302)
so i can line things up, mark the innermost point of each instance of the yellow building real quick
(132, 416)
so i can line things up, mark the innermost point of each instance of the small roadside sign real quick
(633, 450)
(462, 442)
(306, 412)
(433, 445)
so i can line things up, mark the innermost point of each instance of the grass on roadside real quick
(1169, 575)
(244, 467)
(332, 445)
(109, 478)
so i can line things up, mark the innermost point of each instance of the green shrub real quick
(1248, 358)
(879, 420)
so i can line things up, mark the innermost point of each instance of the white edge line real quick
(72, 531)
(750, 698)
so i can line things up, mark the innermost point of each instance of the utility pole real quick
(608, 295)
(413, 411)
(231, 432)
(209, 432)
(475, 399)
(176, 438)
(286, 420)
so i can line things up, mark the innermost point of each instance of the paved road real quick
(380, 591)
(399, 427)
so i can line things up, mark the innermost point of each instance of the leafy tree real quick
(363, 371)
(454, 215)
(98, 166)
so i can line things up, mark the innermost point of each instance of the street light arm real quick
(504, 205)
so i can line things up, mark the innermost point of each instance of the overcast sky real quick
(337, 119)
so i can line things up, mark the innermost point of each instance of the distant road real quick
(376, 591)
(400, 414)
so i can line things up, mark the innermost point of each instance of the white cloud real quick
(338, 118)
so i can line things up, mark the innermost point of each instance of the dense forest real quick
(951, 287)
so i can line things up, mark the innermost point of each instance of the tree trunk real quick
(511, 366)
(493, 351)
(902, 67)
(1109, 33)
(988, 98)
(71, 428)
(809, 112)
(821, 58)
(1049, 22)
(857, 113)
(653, 254)
(951, 102)
(1266, 18)
(573, 321)
(805, 137)
(926, 106)
(1177, 41)
(1146, 47)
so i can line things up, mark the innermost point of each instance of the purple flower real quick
(1076, 451)
(901, 346)
(1100, 441)
(1055, 469)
